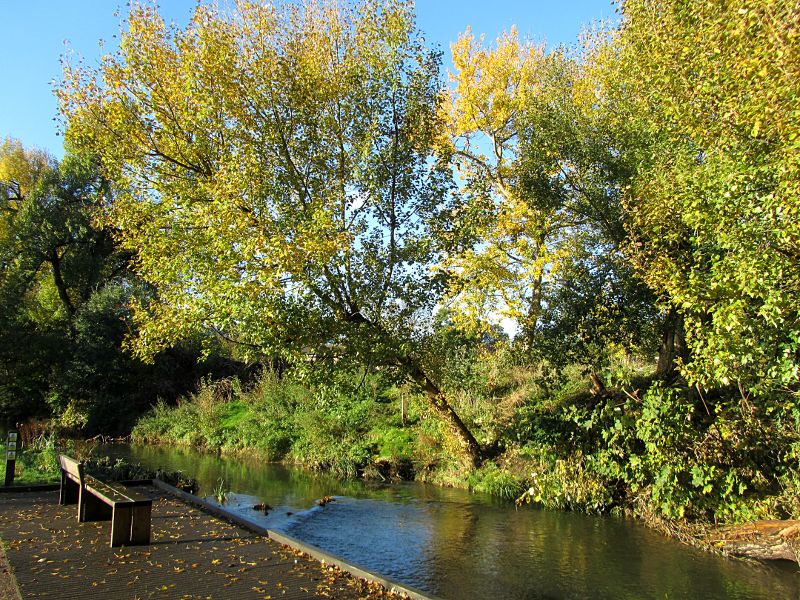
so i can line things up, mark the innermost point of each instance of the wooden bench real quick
(97, 500)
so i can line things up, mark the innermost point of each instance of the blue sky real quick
(35, 33)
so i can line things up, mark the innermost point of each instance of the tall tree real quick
(540, 241)
(713, 88)
(49, 207)
(23, 362)
(502, 240)
(52, 261)
(65, 287)
(279, 186)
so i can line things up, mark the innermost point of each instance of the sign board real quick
(11, 456)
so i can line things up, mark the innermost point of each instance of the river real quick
(459, 545)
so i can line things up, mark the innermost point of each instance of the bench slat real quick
(71, 467)
(114, 494)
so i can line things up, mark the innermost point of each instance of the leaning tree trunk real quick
(435, 396)
(439, 402)
(531, 320)
(673, 345)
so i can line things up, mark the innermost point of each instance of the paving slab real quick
(192, 555)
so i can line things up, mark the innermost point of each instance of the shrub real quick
(490, 479)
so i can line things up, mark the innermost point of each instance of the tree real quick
(501, 247)
(713, 89)
(52, 260)
(540, 241)
(65, 287)
(49, 209)
(277, 176)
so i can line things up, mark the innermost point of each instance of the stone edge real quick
(34, 487)
(286, 540)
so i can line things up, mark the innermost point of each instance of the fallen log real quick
(762, 540)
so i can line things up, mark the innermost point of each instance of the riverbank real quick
(762, 540)
(677, 461)
(192, 555)
(680, 463)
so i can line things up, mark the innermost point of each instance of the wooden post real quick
(12, 442)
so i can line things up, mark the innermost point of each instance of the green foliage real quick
(539, 240)
(220, 492)
(490, 479)
(65, 294)
(308, 179)
(567, 483)
(37, 462)
(711, 90)
(673, 454)
(46, 456)
(302, 221)
(109, 469)
(338, 427)
(395, 445)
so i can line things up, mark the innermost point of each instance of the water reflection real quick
(460, 545)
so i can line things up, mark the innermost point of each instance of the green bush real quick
(395, 444)
(490, 479)
(675, 454)
(37, 462)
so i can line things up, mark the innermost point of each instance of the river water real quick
(459, 545)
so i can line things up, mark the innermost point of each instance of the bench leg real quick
(69, 491)
(121, 526)
(130, 526)
(94, 509)
(140, 525)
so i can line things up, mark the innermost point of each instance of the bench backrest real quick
(71, 467)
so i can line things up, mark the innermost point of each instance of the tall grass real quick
(347, 429)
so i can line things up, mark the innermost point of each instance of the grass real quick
(220, 492)
(34, 465)
(351, 431)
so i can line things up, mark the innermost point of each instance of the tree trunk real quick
(61, 286)
(597, 387)
(763, 540)
(531, 320)
(673, 345)
(435, 396)
(439, 402)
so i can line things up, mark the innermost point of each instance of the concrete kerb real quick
(281, 538)
(36, 487)
(49, 487)
(354, 570)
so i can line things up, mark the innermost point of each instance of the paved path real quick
(192, 555)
